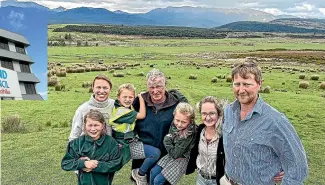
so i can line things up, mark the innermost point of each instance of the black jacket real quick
(155, 126)
(195, 152)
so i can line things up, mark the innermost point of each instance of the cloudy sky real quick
(300, 8)
(33, 26)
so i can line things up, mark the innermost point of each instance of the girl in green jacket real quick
(95, 155)
(178, 142)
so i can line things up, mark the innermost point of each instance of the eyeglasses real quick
(237, 84)
(211, 114)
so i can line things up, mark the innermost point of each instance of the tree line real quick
(153, 31)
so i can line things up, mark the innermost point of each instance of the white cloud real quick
(136, 6)
(15, 19)
(249, 5)
(302, 7)
(322, 10)
(273, 11)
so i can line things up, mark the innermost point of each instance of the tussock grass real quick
(214, 80)
(229, 79)
(52, 81)
(12, 124)
(314, 77)
(322, 85)
(302, 76)
(303, 84)
(192, 77)
(120, 75)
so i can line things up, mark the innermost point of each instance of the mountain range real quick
(231, 19)
(170, 16)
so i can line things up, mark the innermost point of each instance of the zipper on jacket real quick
(92, 153)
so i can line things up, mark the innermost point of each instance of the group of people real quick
(246, 142)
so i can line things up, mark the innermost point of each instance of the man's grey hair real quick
(155, 73)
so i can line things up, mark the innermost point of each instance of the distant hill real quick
(252, 26)
(284, 16)
(301, 23)
(204, 17)
(170, 16)
(22, 4)
(86, 15)
(59, 9)
(120, 12)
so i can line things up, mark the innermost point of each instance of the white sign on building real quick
(9, 84)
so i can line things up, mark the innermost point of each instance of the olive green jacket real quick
(179, 143)
(105, 150)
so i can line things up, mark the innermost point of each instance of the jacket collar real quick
(117, 104)
(98, 142)
(190, 129)
(96, 103)
(258, 107)
(170, 100)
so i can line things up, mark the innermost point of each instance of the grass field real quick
(34, 157)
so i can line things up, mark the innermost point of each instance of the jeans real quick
(152, 155)
(156, 178)
(202, 181)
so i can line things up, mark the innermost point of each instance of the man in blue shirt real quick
(259, 141)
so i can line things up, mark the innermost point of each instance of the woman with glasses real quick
(208, 151)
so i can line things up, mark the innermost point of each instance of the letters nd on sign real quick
(3, 77)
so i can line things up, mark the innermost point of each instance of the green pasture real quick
(34, 157)
(123, 53)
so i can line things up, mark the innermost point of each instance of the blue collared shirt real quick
(261, 145)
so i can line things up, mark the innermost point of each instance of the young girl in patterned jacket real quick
(178, 142)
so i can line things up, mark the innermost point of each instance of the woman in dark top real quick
(208, 155)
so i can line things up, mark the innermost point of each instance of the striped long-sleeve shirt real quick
(261, 145)
(206, 161)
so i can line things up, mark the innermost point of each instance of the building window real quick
(20, 49)
(4, 44)
(7, 98)
(7, 64)
(30, 88)
(24, 68)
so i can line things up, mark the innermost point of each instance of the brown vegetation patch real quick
(317, 57)
(303, 84)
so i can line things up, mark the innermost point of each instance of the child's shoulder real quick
(77, 142)
(109, 139)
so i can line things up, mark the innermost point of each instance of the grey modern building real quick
(16, 78)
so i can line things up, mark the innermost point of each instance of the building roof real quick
(15, 56)
(27, 77)
(31, 97)
(14, 37)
